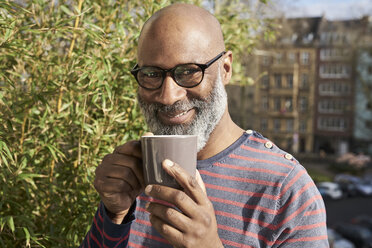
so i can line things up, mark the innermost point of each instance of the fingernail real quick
(168, 163)
(148, 189)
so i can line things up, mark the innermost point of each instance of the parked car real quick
(353, 185)
(330, 190)
(363, 189)
(359, 235)
(337, 241)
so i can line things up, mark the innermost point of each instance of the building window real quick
(278, 80)
(289, 125)
(334, 89)
(334, 71)
(303, 126)
(332, 124)
(305, 58)
(288, 106)
(304, 81)
(265, 81)
(265, 60)
(278, 58)
(332, 106)
(334, 53)
(289, 81)
(264, 103)
(263, 124)
(291, 57)
(303, 104)
(276, 102)
(276, 124)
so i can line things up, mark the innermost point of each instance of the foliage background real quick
(67, 99)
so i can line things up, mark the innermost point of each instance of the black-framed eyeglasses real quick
(185, 75)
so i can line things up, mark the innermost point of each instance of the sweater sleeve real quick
(105, 233)
(301, 213)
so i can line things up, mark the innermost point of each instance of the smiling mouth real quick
(177, 115)
(176, 118)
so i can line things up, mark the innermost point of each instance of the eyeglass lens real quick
(185, 75)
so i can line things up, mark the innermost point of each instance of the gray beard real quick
(209, 112)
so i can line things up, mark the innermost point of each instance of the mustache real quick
(179, 106)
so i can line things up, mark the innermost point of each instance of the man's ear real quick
(227, 67)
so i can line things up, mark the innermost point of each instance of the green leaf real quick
(27, 233)
(66, 10)
(11, 223)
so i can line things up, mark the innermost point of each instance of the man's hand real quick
(119, 179)
(195, 225)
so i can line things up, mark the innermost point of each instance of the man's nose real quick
(170, 92)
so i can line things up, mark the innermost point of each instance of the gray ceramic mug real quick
(181, 149)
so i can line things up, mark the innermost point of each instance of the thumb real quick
(200, 181)
(148, 134)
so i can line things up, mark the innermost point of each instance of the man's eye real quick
(187, 71)
(151, 74)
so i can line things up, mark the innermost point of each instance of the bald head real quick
(180, 29)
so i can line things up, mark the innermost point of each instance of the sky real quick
(332, 9)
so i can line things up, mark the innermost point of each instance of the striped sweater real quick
(262, 197)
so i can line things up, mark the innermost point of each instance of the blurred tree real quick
(67, 99)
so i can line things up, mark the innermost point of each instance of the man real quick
(249, 193)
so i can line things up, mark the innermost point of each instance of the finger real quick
(122, 173)
(173, 196)
(169, 215)
(200, 181)
(174, 236)
(131, 163)
(187, 182)
(112, 185)
(131, 148)
(148, 134)
(117, 203)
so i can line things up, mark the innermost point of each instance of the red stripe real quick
(261, 151)
(242, 168)
(240, 179)
(123, 239)
(109, 237)
(296, 195)
(95, 239)
(131, 244)
(260, 160)
(242, 205)
(104, 233)
(268, 242)
(246, 233)
(241, 192)
(89, 239)
(95, 223)
(306, 204)
(315, 212)
(100, 216)
(306, 227)
(143, 222)
(258, 139)
(229, 242)
(302, 239)
(148, 236)
(292, 181)
(249, 220)
(139, 209)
